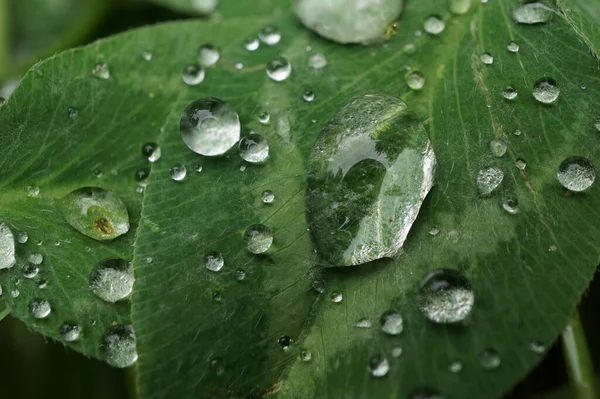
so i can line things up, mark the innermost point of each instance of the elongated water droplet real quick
(363, 192)
(487, 58)
(7, 247)
(254, 148)
(379, 366)
(459, 7)
(532, 13)
(268, 197)
(545, 90)
(69, 332)
(119, 346)
(446, 296)
(95, 212)
(251, 43)
(434, 25)
(576, 173)
(178, 172)
(513, 47)
(510, 93)
(192, 75)
(209, 126)
(151, 151)
(258, 238)
(208, 55)
(278, 69)
(214, 261)
(317, 61)
(488, 179)
(489, 359)
(101, 71)
(391, 322)
(39, 308)
(511, 206)
(498, 148)
(269, 35)
(112, 280)
(415, 80)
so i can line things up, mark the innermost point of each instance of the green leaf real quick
(203, 333)
(202, 7)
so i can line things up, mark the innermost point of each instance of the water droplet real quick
(258, 238)
(336, 296)
(513, 47)
(41, 283)
(178, 172)
(119, 346)
(415, 80)
(510, 93)
(251, 43)
(446, 296)
(214, 261)
(510, 205)
(204, 7)
(545, 90)
(487, 58)
(268, 197)
(35, 259)
(7, 247)
(264, 117)
(22, 238)
(357, 185)
(209, 126)
(576, 173)
(517, 133)
(317, 61)
(537, 346)
(240, 274)
(319, 287)
(97, 173)
(141, 177)
(278, 69)
(397, 351)
(151, 151)
(217, 366)
(32, 191)
(243, 168)
(308, 96)
(434, 231)
(489, 359)
(498, 148)
(14, 293)
(520, 164)
(597, 124)
(284, 342)
(147, 55)
(459, 7)
(455, 367)
(112, 280)
(409, 48)
(71, 112)
(434, 25)
(192, 75)
(363, 323)
(95, 212)
(30, 271)
(379, 366)
(208, 55)
(238, 66)
(101, 71)
(39, 308)
(269, 35)
(254, 148)
(217, 296)
(305, 355)
(69, 332)
(488, 179)
(391, 322)
(532, 13)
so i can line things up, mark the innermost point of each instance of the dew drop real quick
(446, 296)
(258, 238)
(317, 61)
(409, 48)
(498, 148)
(363, 323)
(532, 13)
(240, 274)
(141, 177)
(391, 322)
(238, 66)
(308, 96)
(214, 261)
(489, 359)
(487, 58)
(517, 133)
(306, 355)
(455, 367)
(39, 308)
(510, 93)
(147, 55)
(284, 342)
(14, 293)
(7, 247)
(151, 151)
(319, 287)
(268, 197)
(264, 117)
(22, 238)
(434, 25)
(459, 7)
(251, 43)
(520, 164)
(112, 280)
(254, 148)
(71, 112)
(192, 74)
(415, 80)
(278, 69)
(217, 296)
(336, 297)
(69, 332)
(434, 231)
(513, 47)
(576, 174)
(32, 191)
(269, 35)
(208, 55)
(217, 366)
(537, 346)
(101, 71)
(209, 126)
(178, 172)
(511, 206)
(30, 271)
(119, 346)
(379, 366)
(488, 179)
(545, 90)
(397, 351)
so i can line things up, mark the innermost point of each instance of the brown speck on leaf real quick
(104, 226)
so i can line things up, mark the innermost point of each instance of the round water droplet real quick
(119, 346)
(520, 164)
(208, 55)
(397, 351)
(199, 168)
(513, 47)
(147, 55)
(576, 173)
(537, 346)
(30, 271)
(455, 367)
(510, 93)
(268, 197)
(14, 293)
(192, 75)
(269, 35)
(363, 323)
(459, 7)
(101, 71)
(498, 148)
(141, 177)
(39, 308)
(409, 48)
(446, 296)
(488, 179)
(238, 66)
(214, 261)
(308, 96)
(545, 90)
(434, 25)
(251, 43)
(532, 13)
(7, 247)
(217, 296)
(487, 58)
(379, 366)
(284, 342)
(22, 238)
(69, 332)
(151, 151)
(305, 355)
(415, 80)
(258, 238)
(217, 366)
(278, 69)
(112, 280)
(240, 274)
(489, 359)
(95, 212)
(254, 148)
(178, 172)
(264, 117)
(317, 61)
(209, 126)
(511, 206)
(336, 297)
(391, 322)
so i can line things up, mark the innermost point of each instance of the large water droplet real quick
(112, 280)
(576, 173)
(489, 359)
(254, 148)
(415, 80)
(258, 238)
(7, 247)
(95, 212)
(214, 261)
(532, 13)
(178, 172)
(368, 175)
(39, 308)
(270, 35)
(192, 75)
(391, 322)
(208, 55)
(101, 71)
(459, 7)
(488, 179)
(545, 90)
(69, 332)
(434, 25)
(151, 151)
(446, 296)
(278, 69)
(119, 346)
(379, 366)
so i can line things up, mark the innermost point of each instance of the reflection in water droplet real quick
(532, 13)
(101, 71)
(268, 197)
(209, 126)
(455, 367)
(379, 366)
(284, 342)
(317, 61)
(305, 355)
(208, 55)
(446, 296)
(119, 346)
(513, 47)
(576, 173)
(269, 35)
(545, 90)
(487, 58)
(251, 43)
(489, 359)
(69, 332)
(336, 296)
(434, 25)
(520, 164)
(264, 117)
(511, 206)
(415, 80)
(258, 238)
(278, 69)
(192, 75)
(39, 308)
(537, 346)
(112, 279)
(7, 247)
(488, 179)
(254, 148)
(214, 261)
(498, 148)
(308, 96)
(391, 322)
(178, 172)
(151, 151)
(510, 93)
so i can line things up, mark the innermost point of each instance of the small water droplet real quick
(317, 61)
(214, 261)
(306, 355)
(576, 173)
(545, 90)
(71, 112)
(7, 247)
(489, 359)
(582, 87)
(14, 293)
(415, 80)
(520, 164)
(39, 308)
(147, 55)
(69, 332)
(192, 74)
(217, 296)
(269, 35)
(487, 58)
(391, 322)
(240, 274)
(149, 259)
(209, 126)
(488, 179)
(119, 346)
(459, 7)
(101, 71)
(141, 177)
(217, 366)
(279, 69)
(537, 346)
(517, 133)
(455, 367)
(308, 96)
(199, 168)
(498, 148)
(32, 191)
(258, 238)
(208, 55)
(409, 48)
(30, 271)
(336, 296)
(97, 173)
(446, 296)
(510, 93)
(243, 168)
(532, 13)
(434, 25)
(112, 279)
(363, 323)
(151, 151)
(513, 47)
(251, 43)
(22, 238)
(319, 287)
(379, 366)
(434, 231)
(238, 66)
(268, 197)
(397, 351)
(254, 148)
(264, 117)
(511, 206)
(178, 172)
(41, 283)
(284, 342)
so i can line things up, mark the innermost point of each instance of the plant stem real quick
(578, 361)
